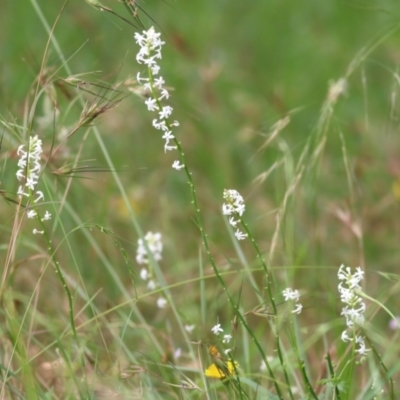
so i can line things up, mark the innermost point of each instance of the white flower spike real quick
(29, 165)
(154, 244)
(354, 309)
(150, 51)
(234, 206)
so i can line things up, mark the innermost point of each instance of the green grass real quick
(251, 86)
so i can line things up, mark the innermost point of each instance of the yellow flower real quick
(222, 371)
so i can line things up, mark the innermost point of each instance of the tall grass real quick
(169, 288)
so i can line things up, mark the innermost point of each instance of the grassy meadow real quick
(220, 278)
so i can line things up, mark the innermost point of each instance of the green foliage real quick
(293, 104)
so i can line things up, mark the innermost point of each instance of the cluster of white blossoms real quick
(153, 86)
(293, 295)
(154, 244)
(216, 330)
(29, 173)
(354, 309)
(234, 206)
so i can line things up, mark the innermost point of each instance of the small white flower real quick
(177, 165)
(159, 82)
(240, 235)
(164, 94)
(155, 244)
(226, 339)
(227, 351)
(233, 222)
(168, 136)
(297, 309)
(155, 69)
(169, 148)
(161, 302)
(20, 175)
(141, 258)
(31, 182)
(36, 168)
(47, 216)
(165, 112)
(240, 208)
(189, 328)
(290, 294)
(362, 350)
(40, 196)
(227, 209)
(22, 161)
(35, 231)
(359, 275)
(345, 337)
(151, 104)
(353, 315)
(147, 88)
(21, 151)
(151, 285)
(160, 125)
(140, 80)
(216, 329)
(144, 274)
(31, 214)
(21, 192)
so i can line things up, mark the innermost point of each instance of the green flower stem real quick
(205, 240)
(332, 373)
(387, 372)
(271, 297)
(60, 275)
(263, 264)
(310, 390)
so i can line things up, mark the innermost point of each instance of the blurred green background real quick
(236, 68)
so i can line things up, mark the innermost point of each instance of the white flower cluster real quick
(355, 307)
(155, 246)
(293, 295)
(234, 206)
(150, 50)
(216, 330)
(29, 167)
(29, 170)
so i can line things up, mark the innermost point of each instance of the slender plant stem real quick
(205, 238)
